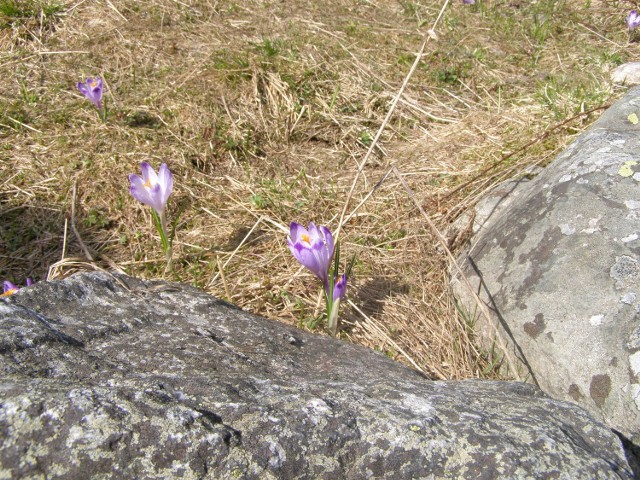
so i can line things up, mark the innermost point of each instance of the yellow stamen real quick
(305, 238)
(147, 184)
(11, 291)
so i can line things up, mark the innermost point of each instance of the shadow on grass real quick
(32, 238)
(372, 295)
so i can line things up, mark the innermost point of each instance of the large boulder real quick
(558, 265)
(111, 377)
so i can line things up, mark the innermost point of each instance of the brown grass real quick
(264, 112)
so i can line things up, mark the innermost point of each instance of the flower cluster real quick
(313, 247)
(150, 188)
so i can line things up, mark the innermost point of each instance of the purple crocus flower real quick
(92, 89)
(152, 189)
(10, 288)
(633, 19)
(313, 248)
(340, 288)
(469, 2)
(339, 292)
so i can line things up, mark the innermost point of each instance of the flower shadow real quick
(372, 296)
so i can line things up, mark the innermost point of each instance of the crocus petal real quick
(296, 231)
(96, 91)
(315, 236)
(293, 248)
(633, 19)
(328, 237)
(165, 180)
(96, 85)
(29, 282)
(9, 288)
(309, 259)
(148, 174)
(83, 88)
(312, 228)
(138, 190)
(291, 244)
(155, 194)
(319, 239)
(319, 246)
(340, 288)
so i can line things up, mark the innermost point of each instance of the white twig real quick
(427, 36)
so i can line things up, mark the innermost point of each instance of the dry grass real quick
(264, 111)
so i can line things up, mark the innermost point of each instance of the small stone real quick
(627, 74)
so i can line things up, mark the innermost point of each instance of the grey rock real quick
(626, 74)
(559, 269)
(112, 377)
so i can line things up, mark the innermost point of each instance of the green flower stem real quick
(102, 112)
(332, 317)
(160, 221)
(332, 307)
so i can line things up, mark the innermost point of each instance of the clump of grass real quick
(14, 9)
(27, 13)
(264, 113)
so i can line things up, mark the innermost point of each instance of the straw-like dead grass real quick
(264, 111)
